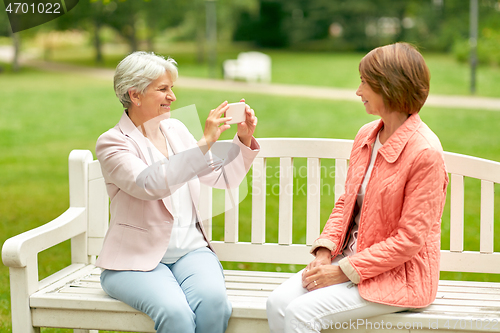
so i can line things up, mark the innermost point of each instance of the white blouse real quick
(185, 237)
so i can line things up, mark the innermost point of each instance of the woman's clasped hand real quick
(321, 273)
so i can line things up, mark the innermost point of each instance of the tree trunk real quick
(97, 43)
(132, 35)
(200, 44)
(17, 50)
(150, 39)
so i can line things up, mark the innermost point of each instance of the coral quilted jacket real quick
(398, 244)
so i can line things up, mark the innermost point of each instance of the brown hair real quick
(397, 72)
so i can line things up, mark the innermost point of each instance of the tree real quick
(124, 19)
(5, 30)
(160, 15)
(91, 16)
(362, 25)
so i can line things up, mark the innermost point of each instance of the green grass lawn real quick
(449, 77)
(46, 115)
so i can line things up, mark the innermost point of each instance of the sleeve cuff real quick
(323, 242)
(254, 145)
(349, 271)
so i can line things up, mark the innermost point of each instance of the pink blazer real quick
(139, 184)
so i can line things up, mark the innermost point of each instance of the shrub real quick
(488, 48)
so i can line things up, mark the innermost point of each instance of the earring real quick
(139, 104)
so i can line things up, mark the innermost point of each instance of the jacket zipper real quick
(351, 220)
(366, 192)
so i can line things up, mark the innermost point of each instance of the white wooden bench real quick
(73, 298)
(250, 66)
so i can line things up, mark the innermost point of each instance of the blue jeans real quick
(186, 296)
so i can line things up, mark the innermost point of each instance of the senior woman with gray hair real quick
(156, 256)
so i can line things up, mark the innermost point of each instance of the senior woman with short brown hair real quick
(156, 256)
(379, 251)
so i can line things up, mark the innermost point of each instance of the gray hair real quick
(138, 70)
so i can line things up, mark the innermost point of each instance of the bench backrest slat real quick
(259, 201)
(206, 208)
(231, 215)
(305, 148)
(285, 201)
(313, 199)
(457, 213)
(473, 167)
(487, 216)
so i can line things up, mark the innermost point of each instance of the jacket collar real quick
(129, 129)
(392, 148)
(127, 126)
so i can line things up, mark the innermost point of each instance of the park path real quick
(463, 102)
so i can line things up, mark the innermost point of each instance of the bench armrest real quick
(18, 249)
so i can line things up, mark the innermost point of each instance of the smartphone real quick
(237, 111)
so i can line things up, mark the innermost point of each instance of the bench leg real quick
(22, 282)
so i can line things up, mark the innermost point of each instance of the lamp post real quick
(473, 44)
(211, 27)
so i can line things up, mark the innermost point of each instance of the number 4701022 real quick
(40, 8)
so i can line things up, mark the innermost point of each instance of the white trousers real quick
(292, 308)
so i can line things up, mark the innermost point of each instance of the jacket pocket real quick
(130, 226)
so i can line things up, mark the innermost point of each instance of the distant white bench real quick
(249, 66)
(73, 298)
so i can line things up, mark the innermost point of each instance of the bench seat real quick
(64, 303)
